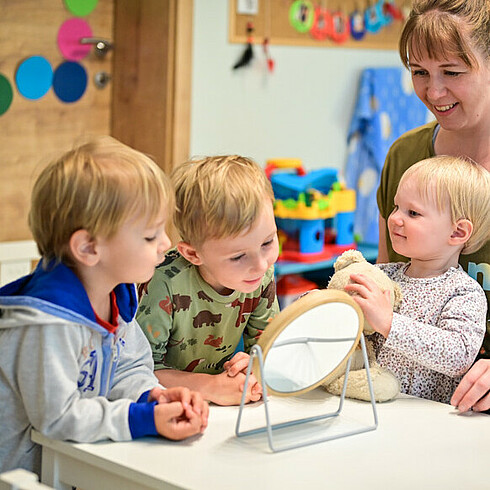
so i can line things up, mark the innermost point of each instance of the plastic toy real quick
(314, 211)
(290, 287)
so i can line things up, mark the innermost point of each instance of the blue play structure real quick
(290, 186)
(313, 211)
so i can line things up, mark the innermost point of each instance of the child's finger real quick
(356, 288)
(363, 280)
(155, 393)
(172, 410)
(180, 393)
(197, 402)
(257, 389)
(238, 367)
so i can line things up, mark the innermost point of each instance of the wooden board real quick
(32, 131)
(272, 21)
(152, 88)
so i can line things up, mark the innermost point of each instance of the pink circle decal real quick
(69, 35)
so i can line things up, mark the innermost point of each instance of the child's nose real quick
(260, 264)
(164, 243)
(396, 218)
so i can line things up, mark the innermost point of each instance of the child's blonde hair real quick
(446, 27)
(460, 184)
(96, 187)
(218, 197)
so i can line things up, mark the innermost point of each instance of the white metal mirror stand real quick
(257, 351)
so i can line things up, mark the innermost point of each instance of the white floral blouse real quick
(436, 334)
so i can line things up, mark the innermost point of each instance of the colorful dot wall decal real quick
(80, 8)
(69, 81)
(69, 35)
(34, 77)
(6, 94)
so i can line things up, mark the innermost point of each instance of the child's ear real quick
(189, 253)
(461, 232)
(83, 248)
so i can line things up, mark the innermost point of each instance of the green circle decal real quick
(6, 94)
(80, 8)
(302, 15)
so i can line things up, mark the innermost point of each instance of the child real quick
(442, 209)
(218, 284)
(74, 365)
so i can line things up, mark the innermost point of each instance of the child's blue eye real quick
(412, 213)
(236, 259)
(418, 72)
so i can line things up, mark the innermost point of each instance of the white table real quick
(418, 445)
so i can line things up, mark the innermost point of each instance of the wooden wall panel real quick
(32, 131)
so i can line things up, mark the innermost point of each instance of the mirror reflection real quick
(311, 346)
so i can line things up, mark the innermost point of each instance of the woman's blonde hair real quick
(447, 27)
(218, 197)
(96, 187)
(460, 184)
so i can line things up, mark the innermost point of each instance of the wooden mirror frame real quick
(292, 313)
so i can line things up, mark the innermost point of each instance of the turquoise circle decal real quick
(34, 77)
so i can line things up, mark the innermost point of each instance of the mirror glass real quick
(309, 340)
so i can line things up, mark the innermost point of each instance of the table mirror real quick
(307, 344)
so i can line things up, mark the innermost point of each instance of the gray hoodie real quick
(64, 374)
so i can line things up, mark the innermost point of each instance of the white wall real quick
(301, 110)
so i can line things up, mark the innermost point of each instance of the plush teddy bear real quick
(385, 385)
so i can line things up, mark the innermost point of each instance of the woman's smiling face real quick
(457, 95)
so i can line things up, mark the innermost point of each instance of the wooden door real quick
(152, 77)
(34, 131)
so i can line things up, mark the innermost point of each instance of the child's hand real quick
(374, 303)
(474, 389)
(227, 390)
(155, 393)
(238, 363)
(180, 412)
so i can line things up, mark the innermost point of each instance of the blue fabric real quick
(144, 397)
(386, 108)
(142, 419)
(58, 285)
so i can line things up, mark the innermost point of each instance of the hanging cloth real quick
(386, 107)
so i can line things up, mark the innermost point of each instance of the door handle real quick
(102, 46)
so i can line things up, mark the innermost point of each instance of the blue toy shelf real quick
(369, 251)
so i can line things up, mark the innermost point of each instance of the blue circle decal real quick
(69, 81)
(34, 77)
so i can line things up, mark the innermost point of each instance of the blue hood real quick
(58, 285)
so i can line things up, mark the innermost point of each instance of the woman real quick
(446, 46)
